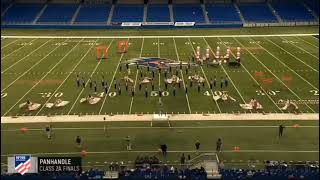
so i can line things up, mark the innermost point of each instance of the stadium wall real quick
(38, 26)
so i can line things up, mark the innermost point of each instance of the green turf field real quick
(44, 69)
(258, 140)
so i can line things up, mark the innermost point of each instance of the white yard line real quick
(272, 73)
(135, 82)
(66, 78)
(307, 42)
(250, 76)
(256, 117)
(235, 87)
(16, 50)
(292, 54)
(31, 67)
(9, 44)
(153, 127)
(158, 47)
(16, 62)
(184, 85)
(301, 49)
(289, 67)
(42, 78)
(174, 151)
(114, 74)
(93, 71)
(205, 77)
(132, 37)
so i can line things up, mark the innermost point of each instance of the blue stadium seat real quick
(58, 13)
(256, 12)
(93, 13)
(314, 5)
(292, 11)
(188, 13)
(4, 6)
(22, 13)
(222, 13)
(158, 13)
(127, 13)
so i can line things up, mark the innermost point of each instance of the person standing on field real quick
(219, 145)
(281, 127)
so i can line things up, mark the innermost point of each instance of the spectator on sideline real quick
(182, 159)
(197, 144)
(164, 149)
(219, 144)
(78, 141)
(48, 131)
(281, 127)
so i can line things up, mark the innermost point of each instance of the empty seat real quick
(222, 13)
(188, 13)
(58, 13)
(22, 13)
(292, 11)
(158, 13)
(93, 13)
(127, 13)
(256, 12)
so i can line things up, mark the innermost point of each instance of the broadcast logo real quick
(22, 163)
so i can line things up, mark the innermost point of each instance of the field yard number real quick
(26, 44)
(60, 44)
(270, 92)
(48, 94)
(188, 43)
(155, 43)
(3, 95)
(156, 93)
(255, 42)
(286, 41)
(315, 92)
(224, 42)
(216, 93)
(93, 43)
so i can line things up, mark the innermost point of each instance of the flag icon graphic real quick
(22, 163)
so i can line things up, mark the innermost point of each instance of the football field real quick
(273, 69)
(278, 64)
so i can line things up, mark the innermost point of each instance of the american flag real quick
(23, 164)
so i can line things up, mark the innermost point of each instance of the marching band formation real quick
(154, 64)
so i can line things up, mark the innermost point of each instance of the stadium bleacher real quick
(217, 13)
(158, 13)
(93, 13)
(292, 11)
(58, 13)
(274, 172)
(314, 5)
(21, 13)
(98, 11)
(127, 13)
(257, 12)
(188, 13)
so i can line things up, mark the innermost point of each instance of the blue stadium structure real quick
(93, 13)
(158, 13)
(127, 13)
(21, 13)
(217, 13)
(58, 13)
(188, 13)
(292, 11)
(110, 14)
(257, 12)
